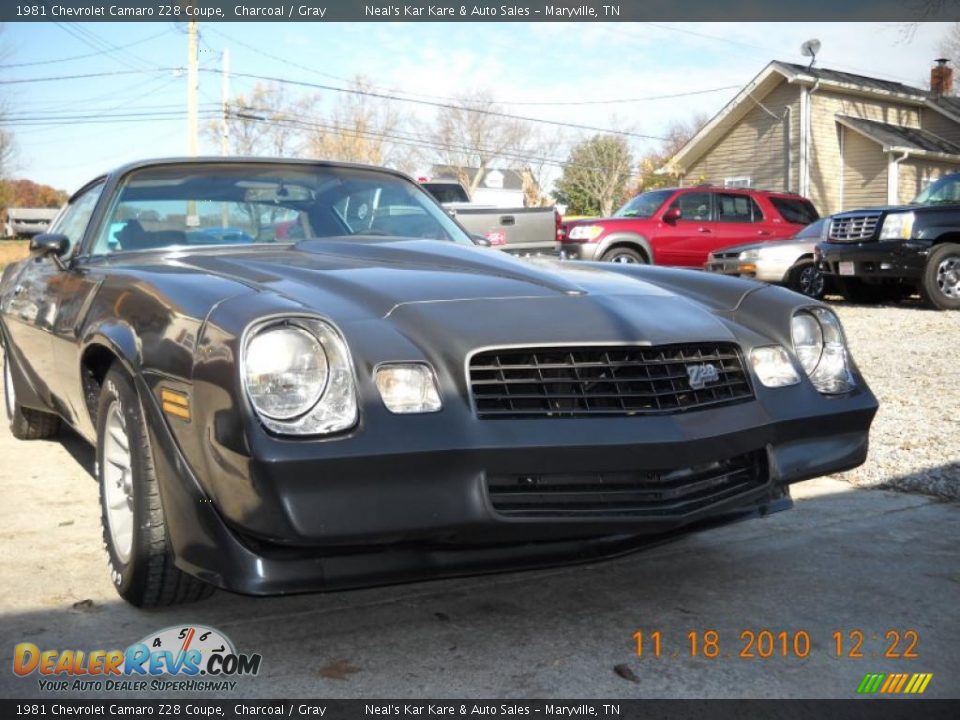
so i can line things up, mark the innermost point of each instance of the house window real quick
(737, 182)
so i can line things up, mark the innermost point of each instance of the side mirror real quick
(50, 245)
(481, 240)
(672, 215)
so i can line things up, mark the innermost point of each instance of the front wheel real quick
(25, 423)
(940, 285)
(134, 529)
(807, 279)
(623, 255)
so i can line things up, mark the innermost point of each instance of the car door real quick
(679, 242)
(45, 303)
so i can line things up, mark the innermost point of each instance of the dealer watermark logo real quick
(178, 658)
(700, 376)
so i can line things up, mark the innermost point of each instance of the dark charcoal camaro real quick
(302, 375)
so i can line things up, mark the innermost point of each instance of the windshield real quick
(813, 230)
(944, 190)
(644, 204)
(203, 205)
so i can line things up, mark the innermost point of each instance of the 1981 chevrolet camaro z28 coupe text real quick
(304, 375)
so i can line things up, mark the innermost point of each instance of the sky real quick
(526, 66)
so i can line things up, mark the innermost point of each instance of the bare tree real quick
(950, 44)
(468, 135)
(265, 121)
(363, 128)
(653, 168)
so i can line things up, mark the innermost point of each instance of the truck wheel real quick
(940, 285)
(805, 278)
(134, 530)
(623, 255)
(25, 423)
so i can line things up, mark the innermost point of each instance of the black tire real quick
(624, 255)
(857, 291)
(807, 279)
(940, 284)
(25, 423)
(147, 577)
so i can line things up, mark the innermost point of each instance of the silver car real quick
(781, 262)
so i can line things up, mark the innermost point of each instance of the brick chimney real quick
(941, 78)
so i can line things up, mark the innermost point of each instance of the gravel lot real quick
(909, 356)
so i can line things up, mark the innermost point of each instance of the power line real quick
(81, 57)
(92, 40)
(649, 98)
(615, 101)
(448, 106)
(22, 81)
(314, 71)
(404, 139)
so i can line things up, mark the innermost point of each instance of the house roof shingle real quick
(863, 81)
(898, 136)
(949, 103)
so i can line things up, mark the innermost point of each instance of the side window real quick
(74, 219)
(737, 208)
(693, 206)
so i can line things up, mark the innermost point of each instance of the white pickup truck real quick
(521, 231)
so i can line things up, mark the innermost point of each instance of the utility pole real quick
(225, 129)
(225, 92)
(193, 87)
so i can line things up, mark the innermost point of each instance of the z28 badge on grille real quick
(701, 375)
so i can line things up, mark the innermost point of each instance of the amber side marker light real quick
(175, 403)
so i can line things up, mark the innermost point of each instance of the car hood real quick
(610, 221)
(406, 280)
(787, 245)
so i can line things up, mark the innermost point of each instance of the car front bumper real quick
(369, 510)
(579, 251)
(873, 261)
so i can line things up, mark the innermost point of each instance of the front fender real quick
(626, 238)
(116, 336)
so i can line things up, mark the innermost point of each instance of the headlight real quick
(822, 351)
(585, 232)
(286, 371)
(773, 366)
(298, 376)
(897, 226)
(749, 256)
(408, 388)
(807, 340)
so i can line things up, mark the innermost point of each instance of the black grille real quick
(579, 381)
(668, 493)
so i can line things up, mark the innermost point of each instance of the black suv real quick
(882, 254)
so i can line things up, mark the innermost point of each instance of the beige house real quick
(842, 140)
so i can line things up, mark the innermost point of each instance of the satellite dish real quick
(810, 49)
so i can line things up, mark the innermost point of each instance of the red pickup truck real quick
(682, 226)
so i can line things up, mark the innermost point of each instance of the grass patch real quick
(13, 250)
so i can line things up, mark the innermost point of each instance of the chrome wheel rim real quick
(948, 277)
(118, 482)
(811, 281)
(623, 259)
(9, 393)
